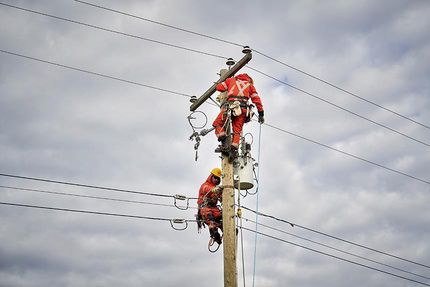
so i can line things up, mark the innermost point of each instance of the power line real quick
(92, 197)
(185, 95)
(337, 249)
(348, 154)
(334, 256)
(260, 53)
(209, 54)
(95, 73)
(333, 237)
(85, 185)
(341, 89)
(339, 107)
(94, 212)
(160, 23)
(111, 30)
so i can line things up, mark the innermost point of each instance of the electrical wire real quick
(91, 212)
(94, 73)
(85, 185)
(339, 107)
(159, 23)
(292, 224)
(341, 89)
(348, 154)
(92, 197)
(112, 31)
(218, 56)
(257, 52)
(256, 205)
(336, 249)
(336, 257)
(173, 92)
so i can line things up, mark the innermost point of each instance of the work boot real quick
(222, 149)
(233, 154)
(222, 139)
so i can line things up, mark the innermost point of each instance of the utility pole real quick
(228, 223)
(228, 197)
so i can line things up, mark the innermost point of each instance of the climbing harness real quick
(235, 108)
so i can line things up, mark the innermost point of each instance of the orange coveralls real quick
(207, 203)
(240, 88)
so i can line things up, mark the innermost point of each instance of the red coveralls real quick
(240, 88)
(207, 204)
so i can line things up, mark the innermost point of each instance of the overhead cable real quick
(112, 31)
(336, 249)
(260, 53)
(336, 257)
(95, 73)
(159, 23)
(348, 154)
(339, 107)
(91, 197)
(342, 89)
(98, 212)
(292, 224)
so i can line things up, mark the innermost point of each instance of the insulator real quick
(193, 99)
(230, 62)
(180, 197)
(246, 50)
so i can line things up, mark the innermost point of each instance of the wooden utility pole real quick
(228, 214)
(228, 223)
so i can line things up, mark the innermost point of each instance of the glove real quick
(261, 117)
(217, 189)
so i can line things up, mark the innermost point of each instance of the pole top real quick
(246, 50)
(230, 62)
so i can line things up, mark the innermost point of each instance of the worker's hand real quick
(261, 117)
(215, 190)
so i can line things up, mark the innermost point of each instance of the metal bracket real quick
(178, 221)
(181, 197)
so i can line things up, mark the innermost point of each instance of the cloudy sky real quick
(352, 165)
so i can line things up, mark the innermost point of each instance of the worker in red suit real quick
(239, 90)
(210, 194)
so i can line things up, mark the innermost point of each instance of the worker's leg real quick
(219, 124)
(237, 123)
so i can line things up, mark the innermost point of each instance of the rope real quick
(239, 219)
(256, 214)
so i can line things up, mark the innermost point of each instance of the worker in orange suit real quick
(210, 194)
(239, 90)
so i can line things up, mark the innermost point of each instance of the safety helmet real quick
(216, 171)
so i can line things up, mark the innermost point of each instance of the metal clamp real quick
(181, 197)
(178, 221)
